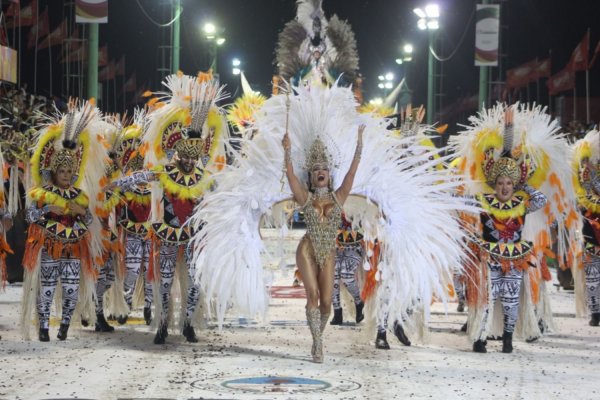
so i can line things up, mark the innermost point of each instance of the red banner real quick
(561, 81)
(579, 57)
(107, 73)
(103, 56)
(75, 55)
(596, 52)
(543, 69)
(130, 85)
(521, 75)
(120, 67)
(39, 30)
(28, 14)
(55, 37)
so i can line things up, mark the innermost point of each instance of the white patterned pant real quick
(507, 288)
(168, 263)
(137, 257)
(592, 284)
(459, 287)
(105, 280)
(347, 260)
(68, 270)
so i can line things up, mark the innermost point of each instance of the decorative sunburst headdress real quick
(188, 121)
(126, 147)
(63, 143)
(242, 113)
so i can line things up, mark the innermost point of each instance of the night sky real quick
(535, 27)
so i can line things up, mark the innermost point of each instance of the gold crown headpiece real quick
(318, 155)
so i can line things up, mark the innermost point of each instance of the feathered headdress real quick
(188, 114)
(64, 142)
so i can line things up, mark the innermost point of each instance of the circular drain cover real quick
(274, 384)
(284, 384)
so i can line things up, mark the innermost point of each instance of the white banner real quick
(487, 28)
(91, 11)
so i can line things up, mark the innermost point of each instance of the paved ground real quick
(270, 360)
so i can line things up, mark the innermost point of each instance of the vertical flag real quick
(579, 57)
(487, 35)
(595, 55)
(561, 81)
(39, 30)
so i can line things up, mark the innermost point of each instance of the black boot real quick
(62, 332)
(102, 325)
(85, 322)
(479, 346)
(507, 342)
(359, 312)
(461, 306)
(43, 335)
(399, 332)
(338, 317)
(161, 334)
(464, 327)
(188, 332)
(595, 321)
(147, 315)
(122, 319)
(381, 341)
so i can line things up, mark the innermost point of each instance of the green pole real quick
(176, 34)
(430, 80)
(483, 79)
(92, 81)
(483, 86)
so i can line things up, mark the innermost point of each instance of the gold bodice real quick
(322, 215)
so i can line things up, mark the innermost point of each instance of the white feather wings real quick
(422, 240)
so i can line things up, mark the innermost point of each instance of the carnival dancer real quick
(134, 220)
(508, 243)
(5, 223)
(64, 237)
(184, 138)
(314, 51)
(349, 257)
(587, 184)
(321, 132)
(322, 208)
(112, 253)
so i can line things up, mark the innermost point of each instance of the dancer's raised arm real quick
(300, 193)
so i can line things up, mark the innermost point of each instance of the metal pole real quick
(484, 75)
(430, 80)
(587, 95)
(37, 34)
(175, 36)
(92, 81)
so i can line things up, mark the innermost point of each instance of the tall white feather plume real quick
(307, 11)
(421, 238)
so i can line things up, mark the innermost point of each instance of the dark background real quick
(533, 28)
